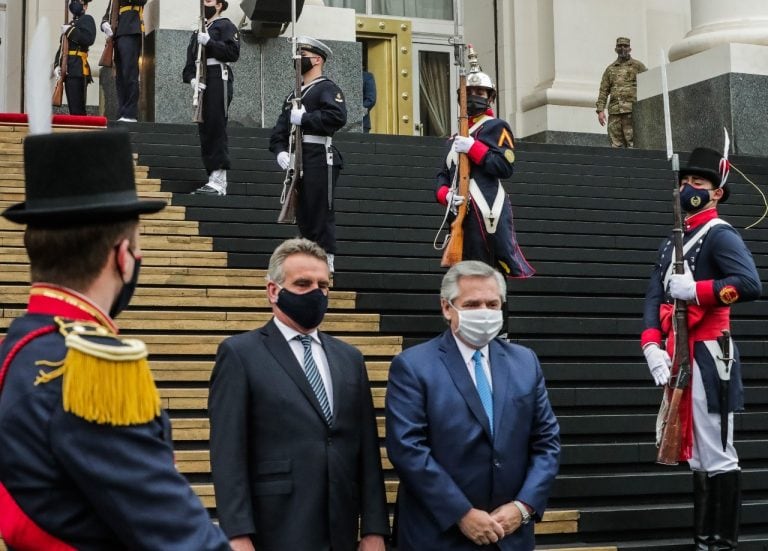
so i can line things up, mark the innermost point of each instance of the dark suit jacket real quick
(439, 440)
(280, 472)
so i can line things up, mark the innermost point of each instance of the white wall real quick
(555, 52)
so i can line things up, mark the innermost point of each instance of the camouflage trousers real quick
(620, 130)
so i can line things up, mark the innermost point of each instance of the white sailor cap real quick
(315, 46)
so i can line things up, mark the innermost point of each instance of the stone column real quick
(715, 22)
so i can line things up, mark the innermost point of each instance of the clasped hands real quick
(484, 528)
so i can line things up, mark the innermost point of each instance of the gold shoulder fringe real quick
(109, 383)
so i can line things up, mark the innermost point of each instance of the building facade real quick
(546, 57)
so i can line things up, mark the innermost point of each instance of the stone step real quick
(211, 322)
(148, 242)
(166, 275)
(187, 297)
(147, 225)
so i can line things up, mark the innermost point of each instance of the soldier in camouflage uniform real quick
(620, 83)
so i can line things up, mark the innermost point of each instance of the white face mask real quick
(479, 327)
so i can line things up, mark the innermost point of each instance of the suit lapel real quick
(500, 373)
(281, 350)
(458, 371)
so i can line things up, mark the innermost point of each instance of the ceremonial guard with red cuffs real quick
(489, 232)
(128, 37)
(323, 112)
(719, 271)
(80, 33)
(221, 44)
(87, 461)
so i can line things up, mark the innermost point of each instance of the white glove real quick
(659, 363)
(203, 38)
(454, 200)
(462, 144)
(65, 27)
(57, 73)
(196, 86)
(106, 28)
(283, 159)
(683, 286)
(296, 115)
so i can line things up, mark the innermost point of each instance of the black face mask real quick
(76, 8)
(692, 199)
(210, 11)
(126, 293)
(306, 65)
(306, 309)
(476, 105)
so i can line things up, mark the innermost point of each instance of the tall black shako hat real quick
(708, 163)
(79, 178)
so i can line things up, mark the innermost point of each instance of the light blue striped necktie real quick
(483, 388)
(314, 378)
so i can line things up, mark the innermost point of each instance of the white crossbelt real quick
(321, 140)
(700, 233)
(490, 214)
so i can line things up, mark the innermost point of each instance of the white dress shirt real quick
(467, 352)
(317, 353)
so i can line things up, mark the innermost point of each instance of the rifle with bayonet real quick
(201, 68)
(293, 174)
(454, 249)
(58, 90)
(107, 56)
(671, 435)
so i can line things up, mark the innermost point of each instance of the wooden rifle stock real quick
(201, 69)
(58, 90)
(107, 56)
(290, 194)
(454, 250)
(669, 448)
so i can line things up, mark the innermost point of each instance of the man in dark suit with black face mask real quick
(294, 447)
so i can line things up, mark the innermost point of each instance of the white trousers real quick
(708, 454)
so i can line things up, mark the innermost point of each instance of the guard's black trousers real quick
(315, 220)
(75, 87)
(127, 52)
(214, 145)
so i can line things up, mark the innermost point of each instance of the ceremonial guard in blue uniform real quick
(80, 33)
(323, 112)
(128, 37)
(489, 232)
(719, 272)
(86, 461)
(221, 46)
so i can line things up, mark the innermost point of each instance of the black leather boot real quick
(728, 506)
(703, 505)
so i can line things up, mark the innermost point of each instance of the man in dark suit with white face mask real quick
(294, 446)
(470, 430)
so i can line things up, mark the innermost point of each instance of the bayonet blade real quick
(665, 96)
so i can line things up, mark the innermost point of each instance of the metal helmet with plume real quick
(476, 78)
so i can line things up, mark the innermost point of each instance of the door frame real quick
(453, 79)
(398, 85)
(3, 56)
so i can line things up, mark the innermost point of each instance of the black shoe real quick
(207, 190)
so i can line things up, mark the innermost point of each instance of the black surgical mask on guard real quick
(476, 105)
(210, 11)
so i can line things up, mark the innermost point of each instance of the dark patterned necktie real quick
(314, 378)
